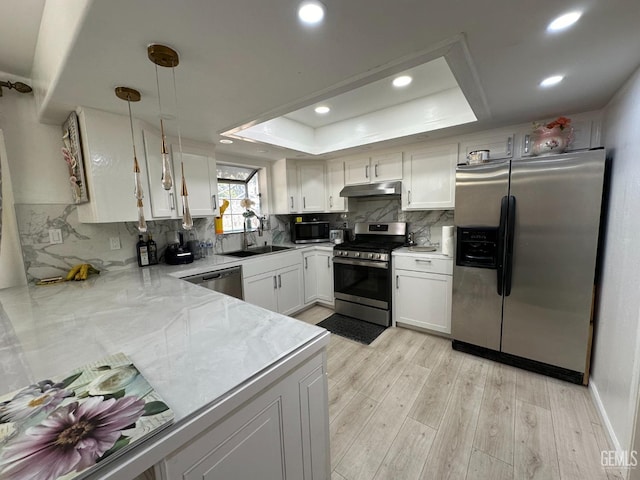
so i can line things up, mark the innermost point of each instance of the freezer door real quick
(557, 216)
(477, 305)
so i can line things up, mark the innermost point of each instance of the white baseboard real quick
(603, 414)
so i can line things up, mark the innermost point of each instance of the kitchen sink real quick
(256, 251)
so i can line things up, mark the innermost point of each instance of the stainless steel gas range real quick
(362, 271)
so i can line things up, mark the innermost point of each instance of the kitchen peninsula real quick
(247, 386)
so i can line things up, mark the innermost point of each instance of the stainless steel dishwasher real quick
(227, 281)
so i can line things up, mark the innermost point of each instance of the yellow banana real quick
(84, 271)
(74, 270)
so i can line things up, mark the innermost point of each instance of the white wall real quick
(33, 172)
(616, 364)
(11, 266)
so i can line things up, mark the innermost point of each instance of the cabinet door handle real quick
(366, 171)
(214, 201)
(306, 264)
(330, 201)
(527, 143)
(375, 170)
(328, 263)
(172, 201)
(279, 281)
(409, 195)
(509, 142)
(397, 281)
(275, 282)
(292, 202)
(420, 260)
(304, 202)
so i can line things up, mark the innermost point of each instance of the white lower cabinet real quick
(318, 276)
(422, 292)
(276, 289)
(282, 433)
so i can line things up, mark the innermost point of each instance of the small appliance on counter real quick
(316, 231)
(177, 252)
(340, 235)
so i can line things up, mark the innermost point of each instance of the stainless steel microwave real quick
(309, 232)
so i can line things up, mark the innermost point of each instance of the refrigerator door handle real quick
(504, 207)
(508, 258)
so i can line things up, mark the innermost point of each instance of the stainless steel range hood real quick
(372, 189)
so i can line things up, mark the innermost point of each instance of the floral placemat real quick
(63, 427)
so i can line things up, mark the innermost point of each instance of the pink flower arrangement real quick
(560, 122)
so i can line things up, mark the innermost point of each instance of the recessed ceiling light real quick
(261, 150)
(226, 141)
(311, 12)
(322, 109)
(402, 81)
(564, 21)
(551, 81)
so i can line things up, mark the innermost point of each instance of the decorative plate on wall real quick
(72, 153)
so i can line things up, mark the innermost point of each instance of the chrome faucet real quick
(245, 240)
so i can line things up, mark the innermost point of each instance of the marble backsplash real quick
(90, 242)
(426, 224)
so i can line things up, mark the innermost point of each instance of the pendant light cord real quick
(175, 96)
(133, 141)
(158, 87)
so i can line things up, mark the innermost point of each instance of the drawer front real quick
(424, 264)
(270, 263)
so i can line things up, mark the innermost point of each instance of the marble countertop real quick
(192, 344)
(404, 251)
(220, 261)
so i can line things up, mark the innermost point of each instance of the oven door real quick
(361, 281)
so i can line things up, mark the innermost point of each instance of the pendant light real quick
(131, 95)
(165, 56)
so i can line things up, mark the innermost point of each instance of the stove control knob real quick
(370, 255)
(357, 254)
(342, 253)
(378, 256)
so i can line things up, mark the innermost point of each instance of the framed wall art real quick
(72, 154)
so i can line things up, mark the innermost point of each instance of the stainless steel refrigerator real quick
(526, 245)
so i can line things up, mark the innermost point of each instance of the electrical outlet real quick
(55, 235)
(115, 243)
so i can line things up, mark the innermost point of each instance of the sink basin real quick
(256, 251)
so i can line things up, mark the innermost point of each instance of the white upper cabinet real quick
(200, 174)
(108, 165)
(378, 168)
(586, 134)
(335, 183)
(429, 178)
(298, 187)
(311, 178)
(386, 167)
(356, 171)
(202, 182)
(500, 145)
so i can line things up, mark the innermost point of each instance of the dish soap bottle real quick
(152, 249)
(142, 252)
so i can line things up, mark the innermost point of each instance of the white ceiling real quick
(250, 60)
(19, 25)
(429, 78)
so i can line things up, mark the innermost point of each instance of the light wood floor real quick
(409, 407)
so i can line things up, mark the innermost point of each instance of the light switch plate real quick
(114, 242)
(55, 235)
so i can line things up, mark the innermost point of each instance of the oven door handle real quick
(361, 263)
